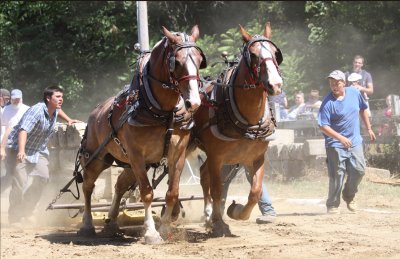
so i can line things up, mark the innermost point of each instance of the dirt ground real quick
(301, 230)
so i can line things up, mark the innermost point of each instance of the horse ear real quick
(245, 35)
(171, 37)
(267, 30)
(195, 33)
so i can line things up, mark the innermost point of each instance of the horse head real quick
(262, 58)
(182, 59)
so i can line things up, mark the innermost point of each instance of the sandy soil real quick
(301, 230)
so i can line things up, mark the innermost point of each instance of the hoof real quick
(175, 212)
(112, 230)
(234, 210)
(152, 237)
(220, 229)
(224, 232)
(86, 232)
(153, 240)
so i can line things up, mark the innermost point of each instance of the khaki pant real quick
(28, 183)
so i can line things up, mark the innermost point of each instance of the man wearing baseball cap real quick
(338, 119)
(11, 115)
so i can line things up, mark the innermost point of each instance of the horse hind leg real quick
(125, 180)
(90, 176)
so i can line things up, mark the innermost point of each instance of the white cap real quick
(16, 93)
(353, 77)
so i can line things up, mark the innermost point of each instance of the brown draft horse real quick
(234, 128)
(169, 74)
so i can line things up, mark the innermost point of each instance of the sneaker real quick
(352, 206)
(333, 210)
(265, 219)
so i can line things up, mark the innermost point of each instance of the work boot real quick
(352, 206)
(333, 210)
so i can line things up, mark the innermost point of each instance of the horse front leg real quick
(172, 206)
(205, 185)
(125, 180)
(90, 176)
(151, 235)
(220, 228)
(240, 212)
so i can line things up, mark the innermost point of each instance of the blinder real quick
(246, 52)
(171, 63)
(203, 63)
(172, 59)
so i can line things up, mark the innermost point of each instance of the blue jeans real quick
(342, 161)
(228, 173)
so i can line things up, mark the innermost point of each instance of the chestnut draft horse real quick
(149, 124)
(233, 127)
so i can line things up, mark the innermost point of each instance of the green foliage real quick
(88, 46)
(294, 79)
(85, 46)
(209, 45)
(231, 43)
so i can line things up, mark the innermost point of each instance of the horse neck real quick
(250, 102)
(167, 98)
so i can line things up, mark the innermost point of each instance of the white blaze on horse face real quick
(193, 94)
(274, 78)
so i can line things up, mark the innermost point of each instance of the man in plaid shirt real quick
(27, 144)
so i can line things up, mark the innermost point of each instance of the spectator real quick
(27, 145)
(268, 214)
(313, 103)
(339, 121)
(389, 106)
(4, 101)
(354, 80)
(386, 129)
(11, 115)
(280, 99)
(4, 98)
(298, 108)
(366, 84)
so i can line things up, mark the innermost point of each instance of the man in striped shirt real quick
(27, 143)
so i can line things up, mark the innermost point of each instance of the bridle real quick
(169, 59)
(254, 71)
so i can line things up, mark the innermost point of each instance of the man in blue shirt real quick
(28, 143)
(338, 119)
